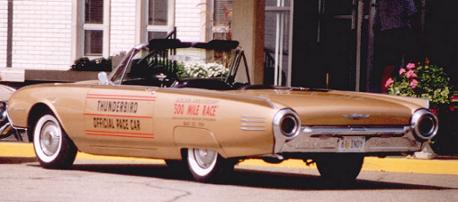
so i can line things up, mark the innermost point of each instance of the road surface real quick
(97, 178)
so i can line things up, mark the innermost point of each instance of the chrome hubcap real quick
(50, 138)
(204, 158)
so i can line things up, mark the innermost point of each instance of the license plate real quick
(352, 144)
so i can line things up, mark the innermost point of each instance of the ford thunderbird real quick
(144, 108)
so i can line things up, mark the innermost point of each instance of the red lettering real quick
(193, 110)
(209, 110)
(179, 109)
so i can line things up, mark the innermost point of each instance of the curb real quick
(447, 166)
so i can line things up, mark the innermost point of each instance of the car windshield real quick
(142, 66)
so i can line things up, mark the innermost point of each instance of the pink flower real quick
(389, 82)
(411, 74)
(402, 71)
(410, 66)
(413, 84)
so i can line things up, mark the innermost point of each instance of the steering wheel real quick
(159, 75)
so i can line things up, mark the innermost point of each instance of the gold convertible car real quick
(145, 109)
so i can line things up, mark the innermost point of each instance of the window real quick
(93, 11)
(277, 42)
(160, 16)
(93, 28)
(222, 17)
(157, 12)
(93, 42)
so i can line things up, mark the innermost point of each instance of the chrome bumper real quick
(329, 139)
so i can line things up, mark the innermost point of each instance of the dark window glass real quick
(222, 12)
(157, 12)
(93, 11)
(156, 35)
(93, 42)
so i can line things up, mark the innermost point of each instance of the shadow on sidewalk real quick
(16, 160)
(252, 178)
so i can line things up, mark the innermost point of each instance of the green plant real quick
(98, 64)
(422, 81)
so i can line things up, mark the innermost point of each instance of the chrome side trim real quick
(252, 129)
(252, 123)
(316, 131)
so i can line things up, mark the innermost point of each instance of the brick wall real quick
(122, 25)
(188, 19)
(42, 34)
(3, 31)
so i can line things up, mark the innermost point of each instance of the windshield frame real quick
(117, 75)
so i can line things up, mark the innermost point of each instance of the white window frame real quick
(79, 27)
(282, 14)
(142, 27)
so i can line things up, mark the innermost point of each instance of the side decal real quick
(117, 115)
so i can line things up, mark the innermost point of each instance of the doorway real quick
(324, 44)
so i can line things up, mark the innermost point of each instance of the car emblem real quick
(356, 116)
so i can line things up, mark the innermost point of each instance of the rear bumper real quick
(340, 139)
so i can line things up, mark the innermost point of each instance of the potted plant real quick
(424, 81)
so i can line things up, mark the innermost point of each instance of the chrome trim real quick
(246, 121)
(3, 116)
(326, 139)
(316, 131)
(252, 123)
(280, 137)
(252, 129)
(356, 116)
(6, 128)
(308, 144)
(418, 116)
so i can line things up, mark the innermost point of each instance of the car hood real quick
(323, 107)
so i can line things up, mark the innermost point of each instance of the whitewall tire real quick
(52, 146)
(207, 165)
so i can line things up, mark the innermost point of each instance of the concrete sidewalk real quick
(392, 164)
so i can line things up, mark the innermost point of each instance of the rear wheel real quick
(53, 147)
(207, 165)
(340, 168)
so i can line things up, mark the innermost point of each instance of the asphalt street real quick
(96, 178)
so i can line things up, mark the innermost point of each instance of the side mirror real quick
(103, 78)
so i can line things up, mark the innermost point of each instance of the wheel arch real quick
(189, 137)
(35, 112)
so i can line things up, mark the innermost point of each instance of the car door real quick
(119, 120)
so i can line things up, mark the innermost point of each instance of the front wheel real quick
(340, 168)
(207, 165)
(53, 147)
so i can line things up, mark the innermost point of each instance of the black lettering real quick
(117, 106)
(102, 122)
(135, 125)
